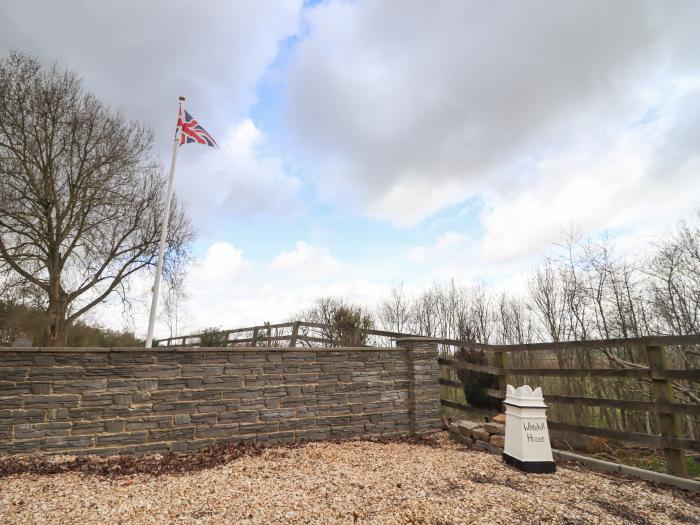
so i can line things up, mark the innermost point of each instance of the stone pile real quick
(488, 436)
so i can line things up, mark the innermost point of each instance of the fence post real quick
(255, 337)
(295, 334)
(669, 423)
(500, 356)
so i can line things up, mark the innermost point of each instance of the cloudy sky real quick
(367, 143)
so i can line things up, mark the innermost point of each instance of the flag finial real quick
(182, 98)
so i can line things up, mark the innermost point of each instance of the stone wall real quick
(135, 400)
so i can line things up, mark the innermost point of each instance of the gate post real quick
(424, 412)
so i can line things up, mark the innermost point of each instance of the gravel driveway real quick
(360, 482)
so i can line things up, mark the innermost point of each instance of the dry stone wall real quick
(127, 400)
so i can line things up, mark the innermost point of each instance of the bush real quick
(213, 338)
(344, 324)
(476, 383)
(349, 327)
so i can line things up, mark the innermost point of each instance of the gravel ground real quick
(355, 482)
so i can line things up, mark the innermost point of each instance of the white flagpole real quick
(163, 233)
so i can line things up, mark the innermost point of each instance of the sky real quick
(370, 143)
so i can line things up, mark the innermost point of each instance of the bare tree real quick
(394, 312)
(513, 321)
(547, 297)
(173, 295)
(81, 193)
(675, 280)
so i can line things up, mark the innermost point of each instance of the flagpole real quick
(163, 233)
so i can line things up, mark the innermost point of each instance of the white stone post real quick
(527, 444)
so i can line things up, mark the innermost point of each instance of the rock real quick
(494, 428)
(500, 418)
(457, 434)
(463, 439)
(498, 440)
(480, 434)
(482, 445)
(465, 427)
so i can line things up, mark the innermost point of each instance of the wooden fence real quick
(293, 333)
(655, 371)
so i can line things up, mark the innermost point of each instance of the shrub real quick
(212, 338)
(476, 383)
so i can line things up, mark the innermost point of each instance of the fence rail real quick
(642, 406)
(293, 337)
(691, 375)
(635, 342)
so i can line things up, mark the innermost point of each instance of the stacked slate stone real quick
(134, 400)
(483, 436)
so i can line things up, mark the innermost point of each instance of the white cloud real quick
(447, 245)
(306, 262)
(635, 189)
(241, 178)
(408, 203)
(534, 107)
(646, 179)
(216, 287)
(223, 267)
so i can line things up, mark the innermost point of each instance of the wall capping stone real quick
(139, 349)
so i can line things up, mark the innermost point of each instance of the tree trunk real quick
(56, 317)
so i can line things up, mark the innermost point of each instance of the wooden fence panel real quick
(670, 441)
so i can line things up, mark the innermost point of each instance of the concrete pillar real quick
(425, 415)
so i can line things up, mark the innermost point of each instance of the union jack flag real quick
(192, 131)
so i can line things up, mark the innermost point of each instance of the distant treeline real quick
(17, 320)
(589, 292)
